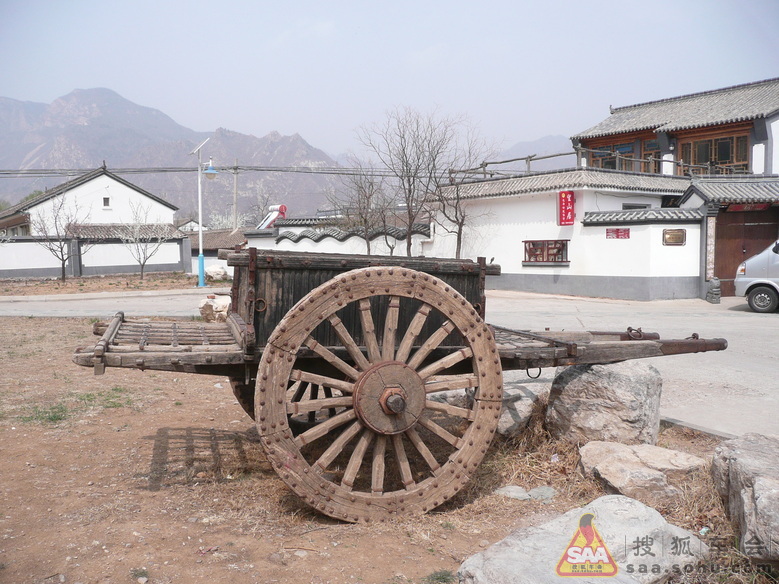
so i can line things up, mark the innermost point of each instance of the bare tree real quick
(259, 208)
(225, 220)
(416, 150)
(141, 238)
(362, 203)
(59, 231)
(453, 212)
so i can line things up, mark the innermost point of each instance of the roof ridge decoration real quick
(341, 235)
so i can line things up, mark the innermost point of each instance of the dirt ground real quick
(111, 283)
(159, 477)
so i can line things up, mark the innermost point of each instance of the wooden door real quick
(740, 235)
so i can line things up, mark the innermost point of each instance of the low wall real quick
(23, 257)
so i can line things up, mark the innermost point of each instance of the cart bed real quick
(199, 347)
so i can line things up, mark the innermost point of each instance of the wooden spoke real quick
(402, 459)
(446, 362)
(377, 465)
(324, 428)
(331, 358)
(447, 382)
(355, 461)
(329, 394)
(296, 390)
(316, 405)
(449, 409)
(422, 448)
(431, 344)
(441, 432)
(345, 386)
(313, 395)
(329, 455)
(412, 332)
(368, 331)
(390, 329)
(348, 342)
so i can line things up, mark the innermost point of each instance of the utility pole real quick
(235, 195)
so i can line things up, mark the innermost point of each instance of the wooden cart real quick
(339, 359)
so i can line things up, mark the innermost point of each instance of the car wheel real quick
(763, 299)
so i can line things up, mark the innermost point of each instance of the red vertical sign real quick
(565, 208)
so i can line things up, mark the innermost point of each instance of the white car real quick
(758, 279)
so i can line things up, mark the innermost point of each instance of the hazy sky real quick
(520, 70)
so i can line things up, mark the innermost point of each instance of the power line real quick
(59, 172)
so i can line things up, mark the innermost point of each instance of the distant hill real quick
(89, 126)
(541, 147)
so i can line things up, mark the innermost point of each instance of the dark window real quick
(724, 150)
(722, 155)
(546, 251)
(106, 201)
(617, 156)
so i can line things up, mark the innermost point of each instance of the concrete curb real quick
(702, 429)
(105, 295)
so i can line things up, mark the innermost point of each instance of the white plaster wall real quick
(21, 255)
(210, 261)
(85, 202)
(118, 254)
(773, 139)
(675, 260)
(758, 159)
(500, 226)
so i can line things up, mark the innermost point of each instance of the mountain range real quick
(91, 127)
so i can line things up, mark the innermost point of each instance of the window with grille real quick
(546, 251)
(721, 155)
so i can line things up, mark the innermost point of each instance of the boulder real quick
(216, 272)
(641, 471)
(520, 397)
(215, 308)
(745, 471)
(619, 402)
(622, 532)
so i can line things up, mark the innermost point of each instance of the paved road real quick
(730, 392)
(180, 303)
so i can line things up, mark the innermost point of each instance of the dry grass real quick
(116, 282)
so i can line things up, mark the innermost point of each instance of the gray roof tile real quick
(570, 179)
(119, 231)
(721, 106)
(740, 189)
(655, 215)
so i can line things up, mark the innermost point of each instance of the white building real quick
(583, 232)
(86, 214)
(98, 197)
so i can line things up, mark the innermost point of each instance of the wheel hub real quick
(389, 397)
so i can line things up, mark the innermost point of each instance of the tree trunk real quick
(62, 270)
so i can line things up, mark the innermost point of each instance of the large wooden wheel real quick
(376, 445)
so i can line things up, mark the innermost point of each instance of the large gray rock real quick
(745, 471)
(619, 402)
(643, 545)
(519, 402)
(641, 471)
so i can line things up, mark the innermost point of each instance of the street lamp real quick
(210, 173)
